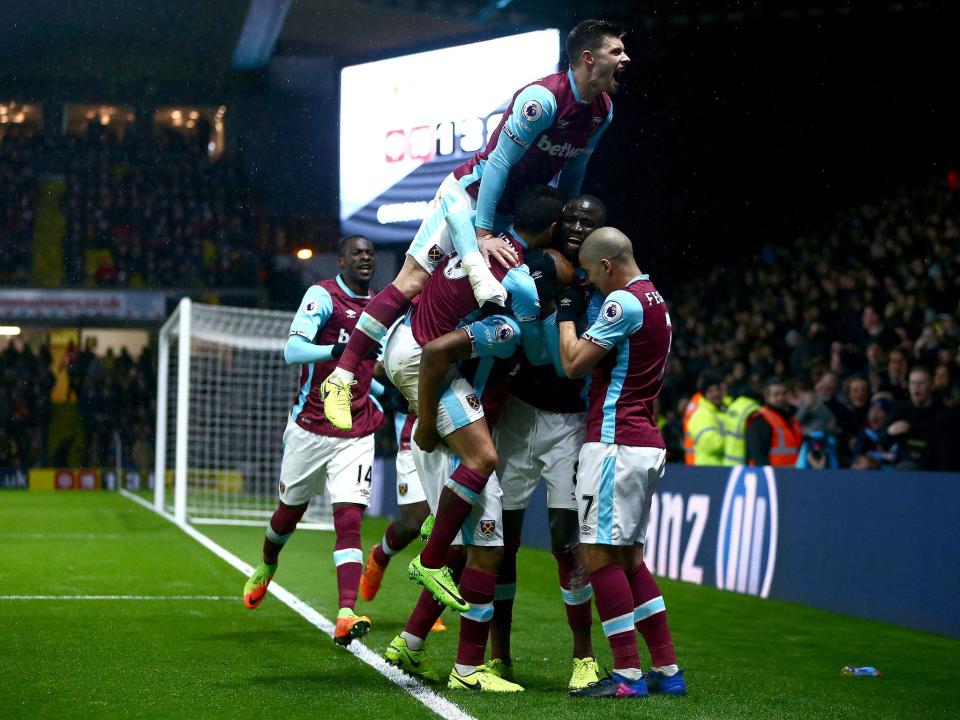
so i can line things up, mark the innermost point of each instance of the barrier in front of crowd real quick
(879, 545)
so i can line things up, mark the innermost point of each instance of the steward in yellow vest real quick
(734, 421)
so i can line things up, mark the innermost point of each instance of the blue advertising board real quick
(879, 545)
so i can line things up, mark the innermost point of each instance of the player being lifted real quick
(627, 349)
(551, 127)
(315, 453)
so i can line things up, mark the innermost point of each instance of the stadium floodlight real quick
(223, 396)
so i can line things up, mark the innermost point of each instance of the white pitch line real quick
(118, 597)
(420, 692)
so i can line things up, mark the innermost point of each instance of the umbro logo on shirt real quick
(351, 313)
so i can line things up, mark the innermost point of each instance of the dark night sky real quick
(728, 135)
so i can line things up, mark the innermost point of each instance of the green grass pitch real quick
(200, 658)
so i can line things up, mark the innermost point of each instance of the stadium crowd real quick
(140, 209)
(843, 317)
(114, 394)
(18, 206)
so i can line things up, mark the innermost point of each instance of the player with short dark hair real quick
(317, 455)
(539, 434)
(549, 130)
(624, 457)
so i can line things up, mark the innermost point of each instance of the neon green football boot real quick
(256, 588)
(412, 662)
(585, 672)
(482, 680)
(337, 396)
(439, 583)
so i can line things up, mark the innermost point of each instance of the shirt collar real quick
(513, 234)
(348, 291)
(573, 87)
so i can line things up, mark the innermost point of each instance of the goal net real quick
(223, 397)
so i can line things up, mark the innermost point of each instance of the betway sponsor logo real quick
(565, 151)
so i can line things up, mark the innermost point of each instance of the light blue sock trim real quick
(479, 613)
(577, 596)
(385, 546)
(651, 607)
(347, 555)
(463, 492)
(275, 538)
(618, 625)
(505, 592)
(371, 327)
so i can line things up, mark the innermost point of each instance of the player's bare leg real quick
(380, 313)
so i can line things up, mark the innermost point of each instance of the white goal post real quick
(224, 394)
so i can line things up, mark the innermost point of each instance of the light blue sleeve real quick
(551, 341)
(494, 336)
(533, 112)
(620, 316)
(525, 304)
(300, 351)
(315, 309)
(376, 387)
(399, 420)
(572, 174)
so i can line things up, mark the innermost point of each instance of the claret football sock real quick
(477, 588)
(456, 501)
(650, 617)
(381, 312)
(279, 530)
(615, 606)
(347, 555)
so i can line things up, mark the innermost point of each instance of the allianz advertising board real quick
(880, 545)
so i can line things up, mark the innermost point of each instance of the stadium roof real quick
(208, 41)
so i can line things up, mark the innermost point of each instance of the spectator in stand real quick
(917, 427)
(894, 380)
(773, 434)
(868, 453)
(946, 387)
(704, 426)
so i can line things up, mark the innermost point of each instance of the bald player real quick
(625, 350)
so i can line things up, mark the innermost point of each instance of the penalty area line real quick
(432, 701)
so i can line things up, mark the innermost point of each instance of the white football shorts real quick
(533, 443)
(409, 487)
(615, 486)
(311, 461)
(459, 403)
(484, 527)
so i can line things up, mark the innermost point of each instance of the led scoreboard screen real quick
(406, 122)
